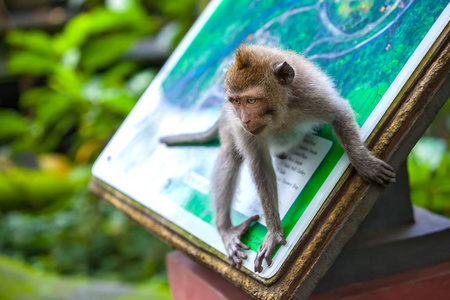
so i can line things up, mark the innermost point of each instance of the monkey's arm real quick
(192, 138)
(266, 184)
(370, 168)
(225, 176)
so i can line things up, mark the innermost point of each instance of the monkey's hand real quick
(376, 170)
(272, 240)
(232, 240)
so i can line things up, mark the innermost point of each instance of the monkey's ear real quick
(284, 73)
(242, 57)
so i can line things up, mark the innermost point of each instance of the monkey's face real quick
(253, 110)
(255, 85)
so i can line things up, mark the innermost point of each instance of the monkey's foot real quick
(272, 240)
(376, 170)
(232, 241)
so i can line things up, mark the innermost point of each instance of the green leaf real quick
(12, 124)
(101, 20)
(74, 34)
(67, 82)
(49, 106)
(104, 51)
(32, 40)
(120, 104)
(31, 98)
(115, 76)
(24, 62)
(36, 188)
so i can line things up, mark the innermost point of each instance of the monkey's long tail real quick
(192, 138)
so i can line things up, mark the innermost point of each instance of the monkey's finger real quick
(378, 180)
(258, 262)
(253, 219)
(389, 173)
(237, 251)
(243, 246)
(258, 269)
(236, 259)
(232, 263)
(259, 259)
(233, 249)
(387, 166)
(386, 178)
(268, 260)
(258, 266)
(242, 254)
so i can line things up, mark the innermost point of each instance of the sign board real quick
(370, 48)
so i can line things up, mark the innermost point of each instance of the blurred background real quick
(70, 72)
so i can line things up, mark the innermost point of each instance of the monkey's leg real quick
(266, 183)
(224, 184)
(370, 168)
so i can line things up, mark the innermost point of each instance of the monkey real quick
(272, 98)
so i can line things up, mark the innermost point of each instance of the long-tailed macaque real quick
(272, 98)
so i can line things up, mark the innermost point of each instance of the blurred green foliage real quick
(429, 166)
(18, 281)
(79, 89)
(89, 90)
(75, 233)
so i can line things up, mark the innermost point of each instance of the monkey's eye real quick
(251, 100)
(236, 101)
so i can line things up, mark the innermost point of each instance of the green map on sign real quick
(362, 45)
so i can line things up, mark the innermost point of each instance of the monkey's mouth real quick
(257, 130)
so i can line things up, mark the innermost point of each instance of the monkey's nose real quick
(247, 125)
